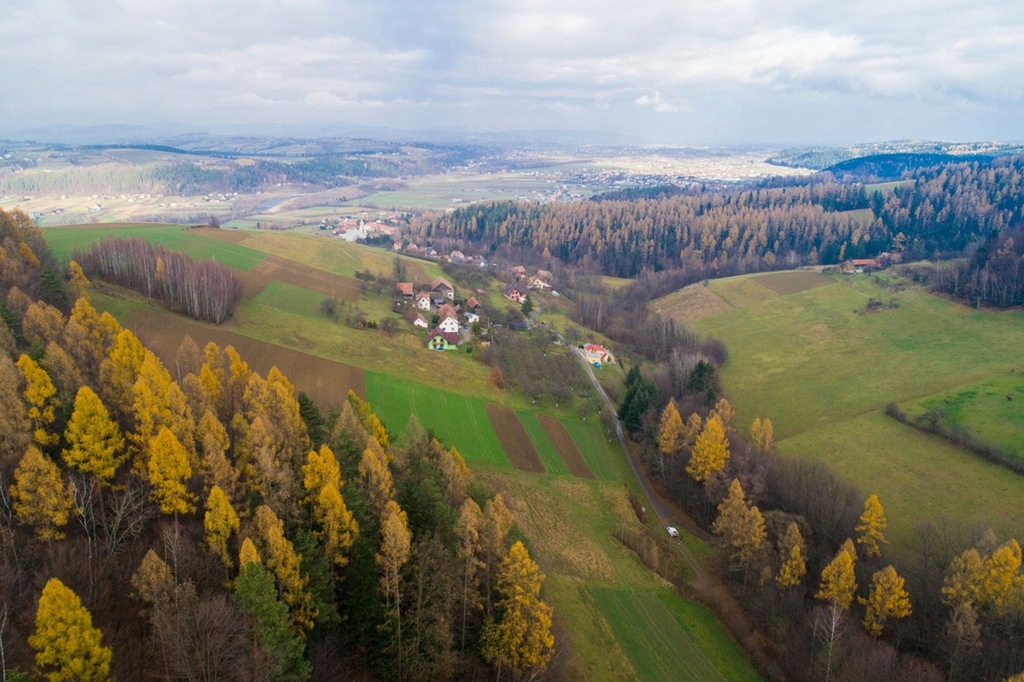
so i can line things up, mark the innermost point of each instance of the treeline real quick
(210, 524)
(709, 233)
(807, 553)
(204, 290)
(973, 210)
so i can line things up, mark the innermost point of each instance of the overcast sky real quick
(676, 71)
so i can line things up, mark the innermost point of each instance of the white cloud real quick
(695, 67)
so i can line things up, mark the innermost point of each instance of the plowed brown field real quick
(326, 382)
(566, 447)
(514, 439)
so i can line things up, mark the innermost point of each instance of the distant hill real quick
(824, 157)
(883, 167)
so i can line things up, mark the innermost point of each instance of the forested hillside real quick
(210, 523)
(972, 210)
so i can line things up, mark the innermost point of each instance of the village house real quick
(517, 272)
(447, 310)
(441, 340)
(404, 289)
(449, 323)
(423, 301)
(545, 275)
(420, 322)
(537, 283)
(597, 354)
(859, 265)
(471, 317)
(473, 304)
(441, 288)
(515, 292)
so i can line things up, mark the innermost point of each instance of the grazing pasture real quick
(793, 281)
(823, 373)
(195, 242)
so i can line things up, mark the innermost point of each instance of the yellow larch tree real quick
(219, 522)
(214, 465)
(67, 645)
(725, 413)
(886, 599)
(79, 284)
(94, 441)
(377, 480)
(285, 563)
(791, 552)
(168, 472)
(87, 336)
(42, 323)
(469, 526)
(337, 528)
(740, 526)
(710, 453)
(157, 402)
(838, 578)
(40, 397)
(762, 434)
(692, 428)
(965, 580)
(368, 419)
(394, 553)
(871, 529)
(1003, 587)
(39, 496)
(118, 373)
(671, 433)
(521, 638)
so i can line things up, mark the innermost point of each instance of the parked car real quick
(672, 532)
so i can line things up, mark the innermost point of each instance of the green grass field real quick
(458, 420)
(990, 412)
(65, 240)
(823, 372)
(549, 456)
(668, 638)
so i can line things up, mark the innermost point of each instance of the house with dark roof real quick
(515, 292)
(442, 340)
(441, 287)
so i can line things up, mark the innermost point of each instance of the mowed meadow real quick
(563, 475)
(808, 351)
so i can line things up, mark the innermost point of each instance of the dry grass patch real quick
(326, 382)
(690, 303)
(791, 282)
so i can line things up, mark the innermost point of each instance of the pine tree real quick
(838, 580)
(39, 496)
(741, 527)
(886, 599)
(710, 453)
(272, 629)
(220, 521)
(871, 529)
(67, 645)
(41, 399)
(169, 471)
(791, 551)
(520, 639)
(94, 441)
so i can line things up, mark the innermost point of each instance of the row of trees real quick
(261, 539)
(809, 554)
(205, 290)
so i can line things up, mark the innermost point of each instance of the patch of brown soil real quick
(566, 447)
(514, 439)
(306, 277)
(326, 382)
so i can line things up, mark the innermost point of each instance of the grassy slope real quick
(65, 240)
(567, 520)
(823, 373)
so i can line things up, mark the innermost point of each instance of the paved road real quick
(667, 515)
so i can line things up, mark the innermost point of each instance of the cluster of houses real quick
(519, 289)
(440, 299)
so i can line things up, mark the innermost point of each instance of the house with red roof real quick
(597, 354)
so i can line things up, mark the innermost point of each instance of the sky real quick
(679, 72)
